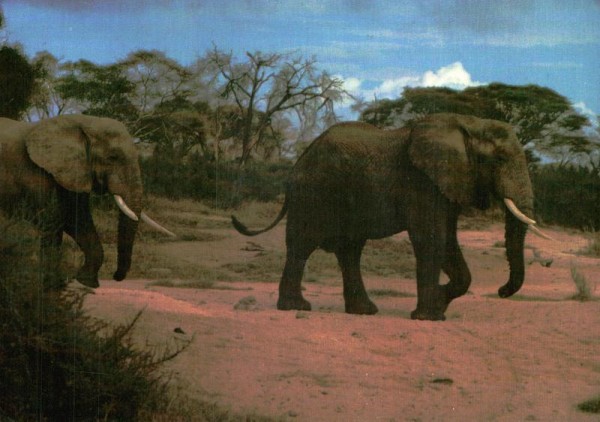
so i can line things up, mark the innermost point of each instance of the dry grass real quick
(585, 288)
(593, 246)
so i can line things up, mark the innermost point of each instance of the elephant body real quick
(356, 182)
(53, 165)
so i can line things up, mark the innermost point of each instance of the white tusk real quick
(517, 212)
(124, 208)
(155, 225)
(540, 233)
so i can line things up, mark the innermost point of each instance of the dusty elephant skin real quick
(55, 164)
(357, 182)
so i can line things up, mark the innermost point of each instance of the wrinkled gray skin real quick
(356, 182)
(53, 165)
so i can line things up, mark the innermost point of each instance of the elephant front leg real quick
(455, 265)
(431, 298)
(428, 233)
(355, 296)
(80, 226)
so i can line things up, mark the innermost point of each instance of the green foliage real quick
(540, 115)
(57, 363)
(226, 184)
(567, 195)
(16, 82)
(101, 90)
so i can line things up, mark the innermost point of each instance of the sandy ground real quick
(532, 358)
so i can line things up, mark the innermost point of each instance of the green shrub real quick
(567, 196)
(225, 184)
(57, 363)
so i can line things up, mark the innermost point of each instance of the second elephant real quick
(53, 166)
(356, 182)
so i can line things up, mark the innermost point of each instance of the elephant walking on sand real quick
(357, 182)
(53, 166)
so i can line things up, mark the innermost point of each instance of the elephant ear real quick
(437, 147)
(60, 147)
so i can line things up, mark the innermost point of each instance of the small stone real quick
(247, 303)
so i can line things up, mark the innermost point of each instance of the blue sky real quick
(377, 46)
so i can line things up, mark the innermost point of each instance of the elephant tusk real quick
(517, 212)
(540, 233)
(124, 208)
(155, 225)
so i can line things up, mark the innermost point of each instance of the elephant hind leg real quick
(290, 286)
(355, 296)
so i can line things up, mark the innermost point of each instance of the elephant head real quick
(85, 154)
(470, 159)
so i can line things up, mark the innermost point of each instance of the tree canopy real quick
(545, 121)
(218, 103)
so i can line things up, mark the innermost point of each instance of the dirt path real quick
(531, 358)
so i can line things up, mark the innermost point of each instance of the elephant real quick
(54, 164)
(357, 182)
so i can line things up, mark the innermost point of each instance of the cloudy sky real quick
(377, 46)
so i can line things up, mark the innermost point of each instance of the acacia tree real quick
(156, 79)
(98, 90)
(544, 120)
(265, 87)
(46, 100)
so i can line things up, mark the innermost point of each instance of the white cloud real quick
(352, 85)
(453, 76)
(582, 108)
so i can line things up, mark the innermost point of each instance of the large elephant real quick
(53, 165)
(357, 182)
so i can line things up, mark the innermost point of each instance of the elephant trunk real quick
(514, 188)
(127, 231)
(129, 200)
(515, 239)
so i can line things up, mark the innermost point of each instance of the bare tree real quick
(267, 86)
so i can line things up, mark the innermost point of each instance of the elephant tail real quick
(241, 227)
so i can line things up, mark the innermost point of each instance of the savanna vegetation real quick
(222, 130)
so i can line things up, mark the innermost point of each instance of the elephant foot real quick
(119, 275)
(88, 279)
(361, 308)
(424, 315)
(293, 304)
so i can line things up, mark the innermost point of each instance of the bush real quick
(56, 363)
(567, 196)
(226, 184)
